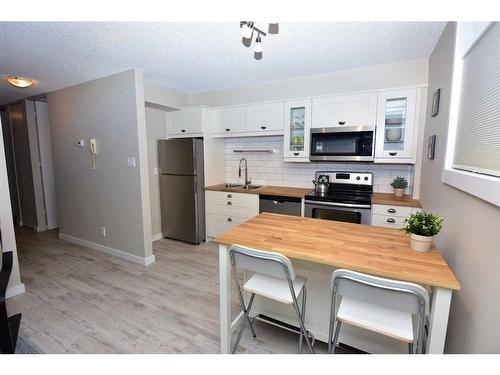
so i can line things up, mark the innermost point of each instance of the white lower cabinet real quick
(391, 216)
(225, 210)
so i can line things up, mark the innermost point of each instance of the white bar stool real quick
(381, 305)
(274, 278)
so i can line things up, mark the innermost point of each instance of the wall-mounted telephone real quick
(93, 150)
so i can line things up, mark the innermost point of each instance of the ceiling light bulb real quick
(246, 30)
(258, 45)
(273, 28)
(19, 81)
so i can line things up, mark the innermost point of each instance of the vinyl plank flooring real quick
(79, 300)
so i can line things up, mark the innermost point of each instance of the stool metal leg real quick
(332, 321)
(336, 336)
(411, 349)
(304, 299)
(301, 323)
(246, 318)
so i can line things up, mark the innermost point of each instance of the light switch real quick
(131, 161)
(81, 143)
(156, 170)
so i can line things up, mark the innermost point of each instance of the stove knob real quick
(358, 178)
(366, 178)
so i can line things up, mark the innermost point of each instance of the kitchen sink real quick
(251, 187)
(233, 186)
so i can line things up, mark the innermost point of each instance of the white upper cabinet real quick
(264, 117)
(345, 110)
(229, 120)
(186, 122)
(297, 130)
(397, 126)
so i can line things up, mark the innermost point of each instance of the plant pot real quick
(398, 192)
(419, 243)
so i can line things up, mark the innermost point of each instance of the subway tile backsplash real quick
(270, 169)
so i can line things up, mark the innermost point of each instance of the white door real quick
(229, 120)
(186, 121)
(45, 147)
(396, 126)
(264, 117)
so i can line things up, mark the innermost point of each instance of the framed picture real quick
(431, 147)
(435, 102)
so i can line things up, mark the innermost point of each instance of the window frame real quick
(480, 185)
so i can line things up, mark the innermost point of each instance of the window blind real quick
(477, 144)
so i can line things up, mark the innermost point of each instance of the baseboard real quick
(157, 236)
(15, 291)
(108, 250)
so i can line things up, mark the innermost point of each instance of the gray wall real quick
(155, 130)
(470, 238)
(405, 73)
(114, 195)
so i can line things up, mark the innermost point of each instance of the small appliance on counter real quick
(182, 196)
(347, 197)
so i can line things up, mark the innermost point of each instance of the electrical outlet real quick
(156, 171)
(130, 161)
(103, 232)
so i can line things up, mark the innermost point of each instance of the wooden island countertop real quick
(374, 250)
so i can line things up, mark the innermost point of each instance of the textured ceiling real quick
(199, 56)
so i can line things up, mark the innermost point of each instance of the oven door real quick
(343, 144)
(349, 213)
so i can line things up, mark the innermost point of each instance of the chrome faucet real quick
(247, 180)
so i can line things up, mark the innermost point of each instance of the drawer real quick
(393, 211)
(218, 224)
(388, 221)
(232, 204)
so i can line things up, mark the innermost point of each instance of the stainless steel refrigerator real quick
(182, 197)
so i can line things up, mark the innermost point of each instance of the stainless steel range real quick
(347, 199)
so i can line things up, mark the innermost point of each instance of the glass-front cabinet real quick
(397, 126)
(297, 130)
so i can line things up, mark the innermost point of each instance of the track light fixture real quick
(248, 30)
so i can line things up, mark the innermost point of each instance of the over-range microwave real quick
(350, 143)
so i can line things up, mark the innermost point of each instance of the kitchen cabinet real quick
(297, 130)
(397, 126)
(187, 122)
(264, 117)
(229, 120)
(391, 216)
(225, 211)
(345, 110)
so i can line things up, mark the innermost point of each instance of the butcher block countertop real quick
(392, 200)
(281, 191)
(374, 250)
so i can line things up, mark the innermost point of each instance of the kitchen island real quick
(316, 248)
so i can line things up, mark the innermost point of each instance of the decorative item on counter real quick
(422, 227)
(431, 147)
(435, 102)
(399, 184)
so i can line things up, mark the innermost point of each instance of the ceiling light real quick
(258, 45)
(246, 30)
(20, 82)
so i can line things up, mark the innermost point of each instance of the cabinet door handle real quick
(229, 203)
(228, 130)
(263, 127)
(393, 153)
(229, 196)
(341, 122)
(229, 219)
(296, 153)
(276, 202)
(183, 130)
(391, 210)
(391, 220)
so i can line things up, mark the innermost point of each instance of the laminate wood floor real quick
(79, 300)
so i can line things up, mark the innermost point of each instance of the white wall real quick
(155, 129)
(7, 227)
(158, 94)
(114, 195)
(406, 73)
(470, 238)
(270, 169)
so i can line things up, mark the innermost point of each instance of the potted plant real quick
(422, 226)
(399, 184)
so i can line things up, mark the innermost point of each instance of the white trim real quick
(108, 250)
(15, 290)
(157, 236)
(482, 186)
